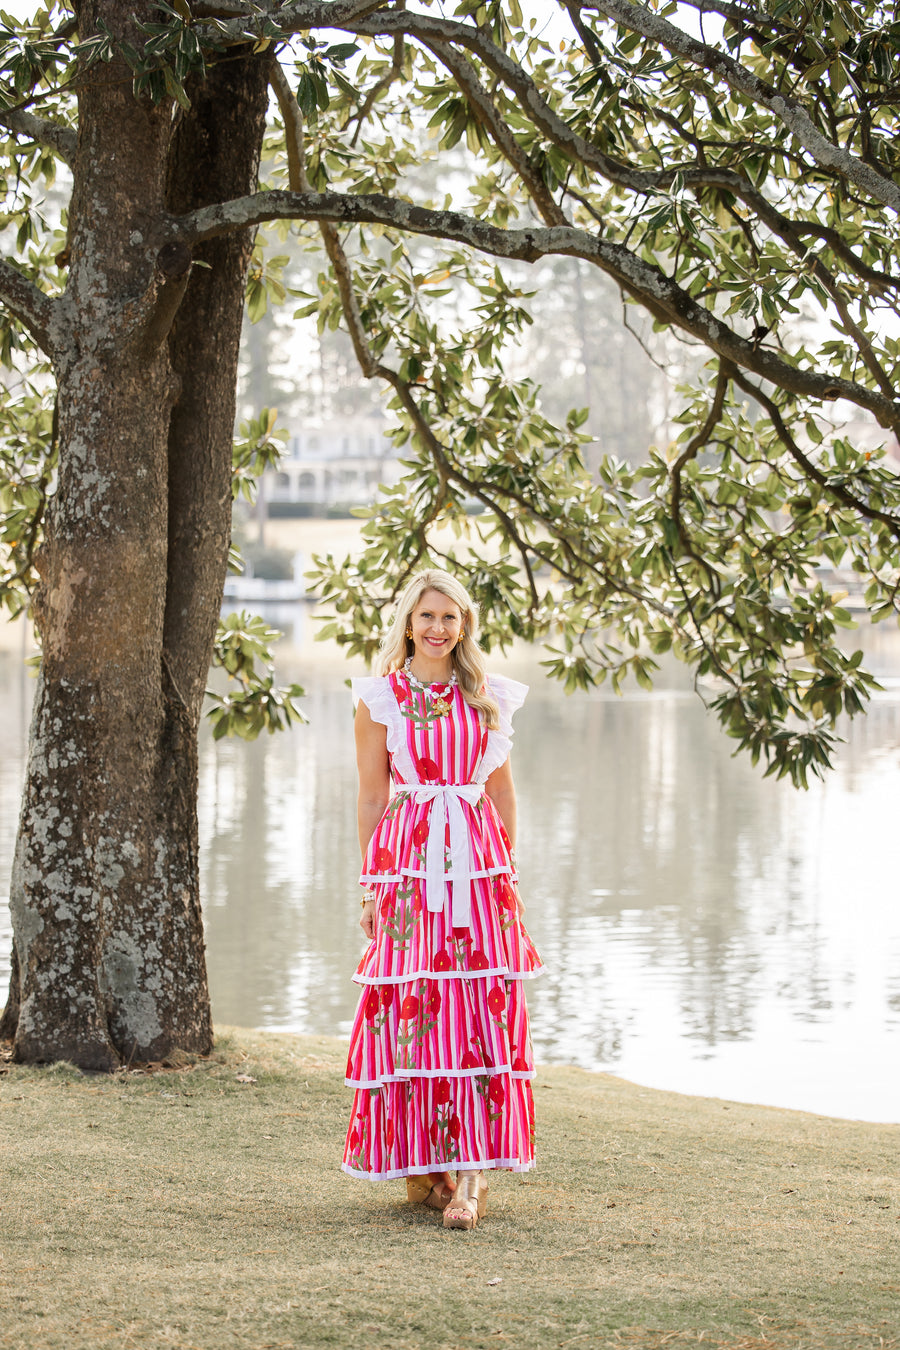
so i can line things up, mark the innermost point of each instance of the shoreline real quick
(340, 1044)
(201, 1207)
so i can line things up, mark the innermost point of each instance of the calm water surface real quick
(703, 930)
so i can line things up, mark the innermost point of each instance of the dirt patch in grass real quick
(200, 1207)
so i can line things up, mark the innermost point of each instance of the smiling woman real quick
(440, 1050)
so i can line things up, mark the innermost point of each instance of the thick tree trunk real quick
(105, 895)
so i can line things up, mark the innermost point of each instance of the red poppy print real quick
(496, 1000)
(420, 833)
(507, 896)
(438, 1078)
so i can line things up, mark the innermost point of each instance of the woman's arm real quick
(374, 789)
(501, 790)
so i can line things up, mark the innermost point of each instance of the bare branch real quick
(27, 304)
(788, 110)
(43, 131)
(645, 282)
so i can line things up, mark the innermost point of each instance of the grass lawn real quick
(194, 1208)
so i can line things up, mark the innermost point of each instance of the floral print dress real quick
(440, 1053)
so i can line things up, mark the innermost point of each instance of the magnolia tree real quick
(741, 188)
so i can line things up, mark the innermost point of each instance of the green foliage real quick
(257, 447)
(253, 702)
(748, 208)
(27, 467)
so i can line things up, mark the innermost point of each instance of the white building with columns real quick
(329, 464)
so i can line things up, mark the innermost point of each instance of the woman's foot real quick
(433, 1189)
(468, 1202)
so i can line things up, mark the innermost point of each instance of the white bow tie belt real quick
(446, 808)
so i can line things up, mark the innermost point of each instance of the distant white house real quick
(339, 462)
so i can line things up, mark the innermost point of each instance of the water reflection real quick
(704, 930)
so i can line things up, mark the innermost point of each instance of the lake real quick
(704, 929)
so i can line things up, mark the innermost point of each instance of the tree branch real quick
(789, 111)
(809, 467)
(694, 446)
(433, 32)
(235, 18)
(42, 131)
(483, 106)
(173, 267)
(28, 304)
(371, 367)
(645, 282)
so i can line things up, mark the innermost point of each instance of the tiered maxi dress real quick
(440, 1052)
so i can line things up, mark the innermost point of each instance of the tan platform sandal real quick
(468, 1202)
(433, 1189)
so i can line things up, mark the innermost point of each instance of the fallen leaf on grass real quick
(244, 1078)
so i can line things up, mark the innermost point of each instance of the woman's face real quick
(436, 624)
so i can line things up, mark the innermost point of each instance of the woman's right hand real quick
(367, 921)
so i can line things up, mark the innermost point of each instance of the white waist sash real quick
(445, 801)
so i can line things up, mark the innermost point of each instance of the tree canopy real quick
(731, 165)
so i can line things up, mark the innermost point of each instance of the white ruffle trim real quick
(376, 692)
(449, 975)
(458, 1164)
(510, 695)
(394, 878)
(483, 1071)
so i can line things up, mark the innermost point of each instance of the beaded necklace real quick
(436, 704)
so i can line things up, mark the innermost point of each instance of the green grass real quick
(187, 1209)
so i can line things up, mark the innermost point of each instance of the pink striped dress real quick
(440, 1053)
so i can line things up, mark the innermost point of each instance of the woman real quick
(440, 1053)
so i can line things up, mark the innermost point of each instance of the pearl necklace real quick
(437, 703)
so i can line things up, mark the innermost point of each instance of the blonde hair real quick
(467, 657)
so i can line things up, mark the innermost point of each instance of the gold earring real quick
(409, 631)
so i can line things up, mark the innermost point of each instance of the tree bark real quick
(109, 957)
